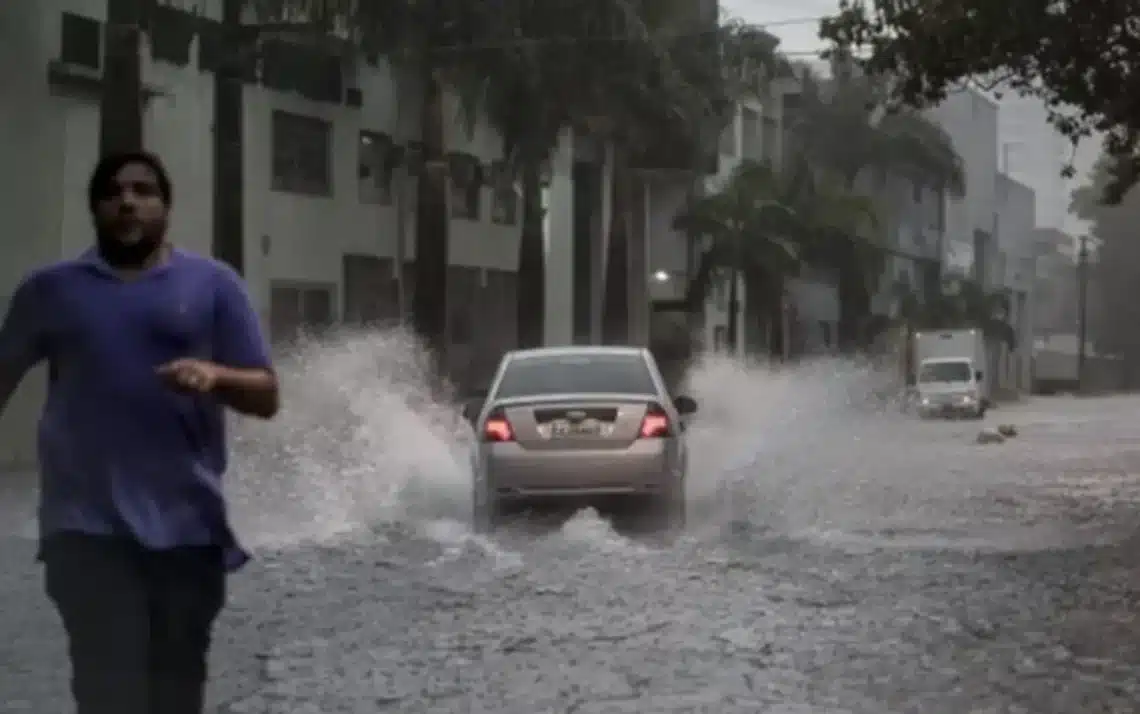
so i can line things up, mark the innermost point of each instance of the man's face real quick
(131, 217)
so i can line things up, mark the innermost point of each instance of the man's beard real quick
(127, 256)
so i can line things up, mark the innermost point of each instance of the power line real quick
(789, 21)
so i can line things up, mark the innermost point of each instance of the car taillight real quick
(497, 428)
(655, 425)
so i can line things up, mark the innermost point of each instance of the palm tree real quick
(688, 70)
(842, 127)
(228, 240)
(532, 92)
(751, 229)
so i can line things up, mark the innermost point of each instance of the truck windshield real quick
(944, 372)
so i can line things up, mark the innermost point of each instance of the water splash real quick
(359, 442)
(362, 444)
(770, 443)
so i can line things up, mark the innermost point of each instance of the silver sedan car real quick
(579, 424)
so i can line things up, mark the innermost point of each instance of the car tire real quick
(669, 512)
(486, 514)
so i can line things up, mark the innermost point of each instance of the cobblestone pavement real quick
(900, 568)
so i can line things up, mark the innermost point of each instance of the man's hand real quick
(191, 375)
(249, 391)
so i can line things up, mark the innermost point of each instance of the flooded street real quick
(842, 560)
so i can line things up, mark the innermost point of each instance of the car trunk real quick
(579, 423)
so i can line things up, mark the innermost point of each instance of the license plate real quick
(570, 430)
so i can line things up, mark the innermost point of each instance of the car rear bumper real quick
(646, 467)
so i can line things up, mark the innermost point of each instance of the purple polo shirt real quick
(120, 452)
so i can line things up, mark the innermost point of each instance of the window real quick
(769, 136)
(80, 41)
(752, 142)
(720, 292)
(301, 148)
(720, 338)
(171, 34)
(371, 290)
(728, 138)
(311, 72)
(505, 198)
(938, 215)
(580, 373)
(375, 160)
(944, 372)
(298, 308)
(466, 187)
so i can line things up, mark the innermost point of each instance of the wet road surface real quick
(890, 567)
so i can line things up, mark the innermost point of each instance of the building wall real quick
(971, 120)
(1056, 293)
(1031, 151)
(912, 215)
(293, 241)
(1018, 251)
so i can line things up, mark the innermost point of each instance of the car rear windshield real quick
(576, 374)
(945, 372)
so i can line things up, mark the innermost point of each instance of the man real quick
(145, 345)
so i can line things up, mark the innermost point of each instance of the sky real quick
(795, 22)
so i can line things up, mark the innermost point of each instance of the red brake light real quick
(655, 425)
(497, 428)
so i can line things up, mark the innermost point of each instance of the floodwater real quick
(842, 557)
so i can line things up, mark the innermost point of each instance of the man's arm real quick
(246, 381)
(21, 342)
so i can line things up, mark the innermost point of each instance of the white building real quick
(1018, 265)
(989, 230)
(321, 189)
(971, 120)
(1032, 152)
(325, 192)
(914, 217)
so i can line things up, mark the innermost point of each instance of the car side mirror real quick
(685, 405)
(978, 375)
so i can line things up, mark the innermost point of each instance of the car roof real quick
(577, 351)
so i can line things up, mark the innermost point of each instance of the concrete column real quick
(638, 279)
(601, 242)
(558, 229)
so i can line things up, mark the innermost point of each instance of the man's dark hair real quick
(103, 177)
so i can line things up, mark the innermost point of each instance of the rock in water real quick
(990, 436)
(1007, 430)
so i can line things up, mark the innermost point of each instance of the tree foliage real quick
(845, 125)
(1078, 57)
(845, 130)
(767, 225)
(1114, 311)
(960, 303)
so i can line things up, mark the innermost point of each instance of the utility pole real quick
(1082, 308)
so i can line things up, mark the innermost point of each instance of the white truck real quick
(950, 378)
